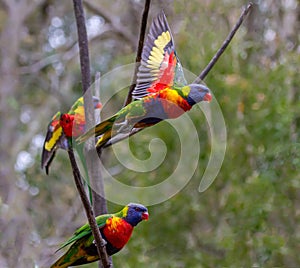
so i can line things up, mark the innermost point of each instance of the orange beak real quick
(145, 216)
(207, 97)
(99, 105)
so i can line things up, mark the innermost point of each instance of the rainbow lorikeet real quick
(161, 91)
(62, 128)
(115, 229)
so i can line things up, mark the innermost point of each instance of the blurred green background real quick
(249, 216)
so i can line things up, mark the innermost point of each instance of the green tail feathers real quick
(99, 129)
(77, 254)
(60, 263)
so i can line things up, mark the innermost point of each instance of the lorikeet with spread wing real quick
(115, 229)
(62, 128)
(161, 91)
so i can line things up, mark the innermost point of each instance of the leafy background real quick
(250, 215)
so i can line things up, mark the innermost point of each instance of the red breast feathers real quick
(117, 231)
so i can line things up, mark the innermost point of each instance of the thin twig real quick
(139, 50)
(224, 45)
(100, 244)
(89, 118)
(205, 71)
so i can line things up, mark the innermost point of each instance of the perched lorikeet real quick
(115, 229)
(62, 128)
(161, 91)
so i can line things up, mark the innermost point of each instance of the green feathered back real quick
(86, 230)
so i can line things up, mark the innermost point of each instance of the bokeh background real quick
(250, 215)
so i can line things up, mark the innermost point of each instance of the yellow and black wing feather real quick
(55, 139)
(160, 66)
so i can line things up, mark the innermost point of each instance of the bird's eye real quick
(137, 209)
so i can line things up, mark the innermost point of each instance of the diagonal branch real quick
(100, 244)
(225, 44)
(140, 50)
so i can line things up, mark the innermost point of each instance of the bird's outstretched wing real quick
(160, 66)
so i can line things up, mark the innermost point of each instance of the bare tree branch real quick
(100, 244)
(89, 118)
(94, 171)
(83, 45)
(225, 44)
(140, 50)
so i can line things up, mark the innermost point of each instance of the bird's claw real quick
(123, 126)
(103, 241)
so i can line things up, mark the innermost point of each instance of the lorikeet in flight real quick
(62, 128)
(161, 91)
(115, 229)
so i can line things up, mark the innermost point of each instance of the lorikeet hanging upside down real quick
(161, 91)
(115, 229)
(62, 128)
